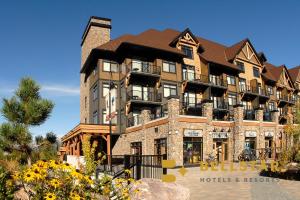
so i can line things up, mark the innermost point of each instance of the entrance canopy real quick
(72, 141)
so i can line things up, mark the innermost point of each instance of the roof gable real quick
(186, 36)
(294, 73)
(243, 50)
(285, 79)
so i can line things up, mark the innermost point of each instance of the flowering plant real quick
(52, 180)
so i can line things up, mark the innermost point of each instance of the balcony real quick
(192, 106)
(282, 99)
(249, 114)
(221, 105)
(142, 71)
(144, 97)
(193, 81)
(217, 82)
(133, 120)
(250, 92)
(267, 116)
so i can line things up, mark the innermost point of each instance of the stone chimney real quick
(96, 33)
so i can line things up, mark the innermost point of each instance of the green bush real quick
(7, 188)
(297, 157)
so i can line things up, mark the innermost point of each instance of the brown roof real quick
(233, 50)
(294, 72)
(272, 71)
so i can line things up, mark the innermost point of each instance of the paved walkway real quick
(236, 185)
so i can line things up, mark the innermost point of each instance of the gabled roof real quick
(294, 73)
(275, 72)
(233, 50)
(183, 33)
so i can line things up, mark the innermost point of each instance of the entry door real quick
(268, 146)
(221, 150)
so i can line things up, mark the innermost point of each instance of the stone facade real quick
(172, 128)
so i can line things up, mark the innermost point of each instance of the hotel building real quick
(181, 94)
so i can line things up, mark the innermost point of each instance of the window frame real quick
(110, 63)
(166, 86)
(95, 114)
(232, 96)
(184, 48)
(239, 66)
(95, 91)
(256, 69)
(229, 81)
(168, 63)
(272, 90)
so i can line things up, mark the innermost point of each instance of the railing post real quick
(127, 163)
(165, 169)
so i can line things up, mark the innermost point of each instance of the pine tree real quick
(25, 109)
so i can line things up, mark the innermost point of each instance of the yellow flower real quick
(67, 166)
(28, 177)
(106, 190)
(76, 174)
(50, 196)
(88, 179)
(54, 164)
(127, 171)
(74, 196)
(55, 183)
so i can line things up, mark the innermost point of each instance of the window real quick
(110, 66)
(105, 89)
(106, 121)
(240, 66)
(270, 90)
(188, 72)
(232, 99)
(230, 80)
(95, 92)
(272, 106)
(188, 51)
(242, 84)
(169, 67)
(136, 148)
(278, 94)
(95, 117)
(256, 72)
(160, 146)
(190, 99)
(140, 66)
(170, 90)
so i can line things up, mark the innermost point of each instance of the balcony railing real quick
(191, 102)
(267, 116)
(249, 114)
(192, 76)
(217, 81)
(138, 95)
(143, 67)
(221, 104)
(133, 120)
(283, 97)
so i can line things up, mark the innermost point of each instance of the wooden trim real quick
(156, 123)
(192, 120)
(133, 129)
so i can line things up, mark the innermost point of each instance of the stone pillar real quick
(146, 117)
(259, 115)
(208, 111)
(207, 139)
(175, 137)
(238, 132)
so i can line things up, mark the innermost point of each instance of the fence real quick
(141, 166)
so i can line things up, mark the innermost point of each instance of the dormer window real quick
(188, 51)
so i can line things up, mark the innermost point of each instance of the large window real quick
(109, 66)
(188, 72)
(272, 106)
(242, 84)
(230, 80)
(169, 67)
(170, 90)
(190, 99)
(240, 66)
(256, 72)
(136, 148)
(140, 66)
(269, 89)
(95, 92)
(188, 51)
(95, 117)
(160, 146)
(105, 89)
(232, 99)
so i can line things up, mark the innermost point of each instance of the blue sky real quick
(41, 39)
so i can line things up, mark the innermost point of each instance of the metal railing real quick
(217, 80)
(141, 166)
(249, 114)
(191, 108)
(192, 76)
(143, 96)
(143, 67)
(267, 116)
(283, 97)
(133, 120)
(221, 104)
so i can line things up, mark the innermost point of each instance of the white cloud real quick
(60, 90)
